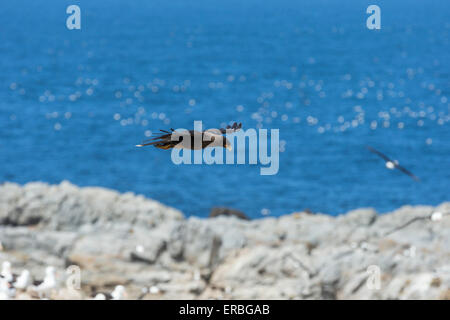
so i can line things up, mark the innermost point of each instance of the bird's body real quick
(6, 273)
(390, 165)
(99, 296)
(23, 281)
(7, 292)
(192, 140)
(118, 293)
(44, 288)
(186, 140)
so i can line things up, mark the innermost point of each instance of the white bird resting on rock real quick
(6, 291)
(99, 296)
(6, 273)
(49, 283)
(118, 293)
(23, 281)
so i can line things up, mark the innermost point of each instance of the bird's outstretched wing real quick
(172, 130)
(405, 171)
(159, 139)
(155, 140)
(378, 153)
(235, 127)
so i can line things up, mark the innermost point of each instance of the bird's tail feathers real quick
(148, 143)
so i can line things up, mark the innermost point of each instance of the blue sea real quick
(74, 103)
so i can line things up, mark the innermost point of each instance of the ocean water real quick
(73, 103)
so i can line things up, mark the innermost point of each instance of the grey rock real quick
(227, 212)
(139, 243)
(66, 206)
(195, 242)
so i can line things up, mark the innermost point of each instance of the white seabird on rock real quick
(99, 296)
(118, 293)
(6, 291)
(49, 283)
(6, 273)
(436, 216)
(23, 281)
(154, 290)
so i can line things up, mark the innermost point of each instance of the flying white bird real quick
(392, 164)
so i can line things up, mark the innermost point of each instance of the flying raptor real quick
(392, 164)
(186, 139)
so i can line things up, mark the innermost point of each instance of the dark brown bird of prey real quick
(392, 164)
(185, 139)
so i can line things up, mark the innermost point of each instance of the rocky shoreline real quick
(154, 252)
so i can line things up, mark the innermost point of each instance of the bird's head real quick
(227, 144)
(25, 273)
(6, 267)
